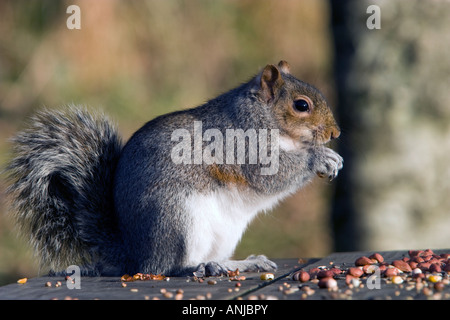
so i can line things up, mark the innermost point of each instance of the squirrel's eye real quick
(301, 105)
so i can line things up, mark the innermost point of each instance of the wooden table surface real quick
(282, 287)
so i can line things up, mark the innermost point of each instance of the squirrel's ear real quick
(284, 66)
(271, 82)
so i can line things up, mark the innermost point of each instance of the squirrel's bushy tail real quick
(61, 177)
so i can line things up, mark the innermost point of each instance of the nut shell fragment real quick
(377, 257)
(267, 276)
(328, 283)
(402, 265)
(302, 276)
(362, 261)
(355, 272)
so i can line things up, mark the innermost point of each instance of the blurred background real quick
(135, 60)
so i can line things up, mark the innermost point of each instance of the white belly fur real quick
(218, 221)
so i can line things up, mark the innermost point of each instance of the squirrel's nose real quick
(334, 133)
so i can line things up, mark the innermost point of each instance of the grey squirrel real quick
(166, 202)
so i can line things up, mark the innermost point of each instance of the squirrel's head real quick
(300, 110)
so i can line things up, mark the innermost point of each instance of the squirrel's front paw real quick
(328, 164)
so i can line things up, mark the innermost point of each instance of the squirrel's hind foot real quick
(253, 263)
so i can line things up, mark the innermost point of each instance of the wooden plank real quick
(224, 288)
(111, 287)
(288, 289)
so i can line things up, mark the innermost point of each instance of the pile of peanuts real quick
(423, 270)
(142, 276)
